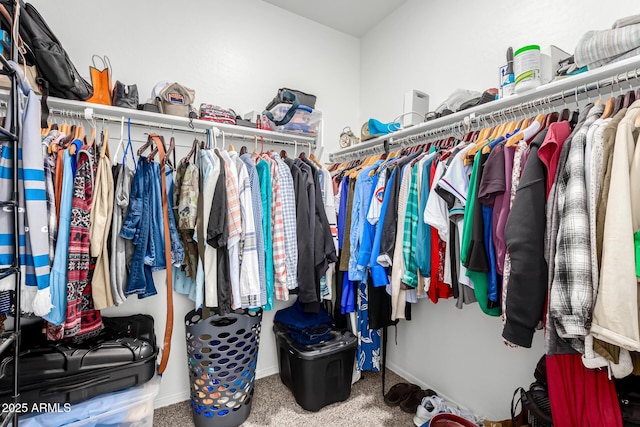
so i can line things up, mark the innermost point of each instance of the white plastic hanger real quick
(121, 142)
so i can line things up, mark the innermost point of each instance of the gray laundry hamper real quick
(222, 356)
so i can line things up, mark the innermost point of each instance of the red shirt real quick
(549, 151)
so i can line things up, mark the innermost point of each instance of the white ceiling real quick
(354, 17)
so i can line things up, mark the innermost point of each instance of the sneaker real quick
(429, 408)
(434, 405)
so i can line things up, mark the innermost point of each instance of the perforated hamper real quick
(222, 356)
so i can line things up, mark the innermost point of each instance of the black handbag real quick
(536, 402)
(289, 96)
(125, 96)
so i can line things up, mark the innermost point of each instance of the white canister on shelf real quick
(526, 64)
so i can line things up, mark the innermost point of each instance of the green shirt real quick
(410, 276)
(479, 279)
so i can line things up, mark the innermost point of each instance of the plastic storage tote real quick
(222, 355)
(318, 374)
(131, 407)
(305, 120)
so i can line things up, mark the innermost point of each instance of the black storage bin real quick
(123, 355)
(318, 374)
(222, 356)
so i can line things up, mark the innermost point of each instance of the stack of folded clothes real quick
(304, 328)
(217, 114)
(597, 48)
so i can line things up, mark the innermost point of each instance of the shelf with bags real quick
(88, 111)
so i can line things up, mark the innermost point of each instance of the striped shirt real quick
(234, 226)
(277, 233)
(254, 183)
(288, 197)
(234, 216)
(597, 48)
(34, 234)
(249, 275)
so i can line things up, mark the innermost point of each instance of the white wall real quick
(438, 46)
(233, 53)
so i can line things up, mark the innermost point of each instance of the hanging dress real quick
(82, 319)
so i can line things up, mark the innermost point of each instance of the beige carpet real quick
(274, 405)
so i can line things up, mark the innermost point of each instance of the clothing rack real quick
(624, 75)
(10, 338)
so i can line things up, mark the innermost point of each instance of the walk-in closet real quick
(338, 213)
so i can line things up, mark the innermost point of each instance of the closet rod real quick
(473, 122)
(61, 113)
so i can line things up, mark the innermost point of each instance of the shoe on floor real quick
(399, 392)
(411, 403)
(429, 408)
(434, 405)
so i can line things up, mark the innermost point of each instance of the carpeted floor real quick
(274, 405)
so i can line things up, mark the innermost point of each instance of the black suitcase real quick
(123, 355)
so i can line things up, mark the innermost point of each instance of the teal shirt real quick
(264, 175)
(410, 276)
(423, 238)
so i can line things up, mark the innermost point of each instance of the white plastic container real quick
(304, 121)
(526, 64)
(129, 407)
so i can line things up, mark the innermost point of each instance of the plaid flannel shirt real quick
(281, 287)
(571, 297)
(288, 197)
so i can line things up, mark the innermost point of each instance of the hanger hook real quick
(588, 93)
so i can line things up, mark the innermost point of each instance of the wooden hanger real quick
(618, 104)
(255, 145)
(105, 144)
(92, 138)
(525, 134)
(629, 98)
(45, 131)
(551, 117)
(191, 152)
(609, 107)
(146, 145)
(312, 157)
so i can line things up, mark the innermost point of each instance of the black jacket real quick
(524, 235)
(306, 272)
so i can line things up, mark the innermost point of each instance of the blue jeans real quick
(137, 227)
(155, 256)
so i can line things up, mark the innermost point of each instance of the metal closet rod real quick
(469, 123)
(61, 113)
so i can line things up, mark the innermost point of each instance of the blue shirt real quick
(378, 272)
(361, 201)
(368, 235)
